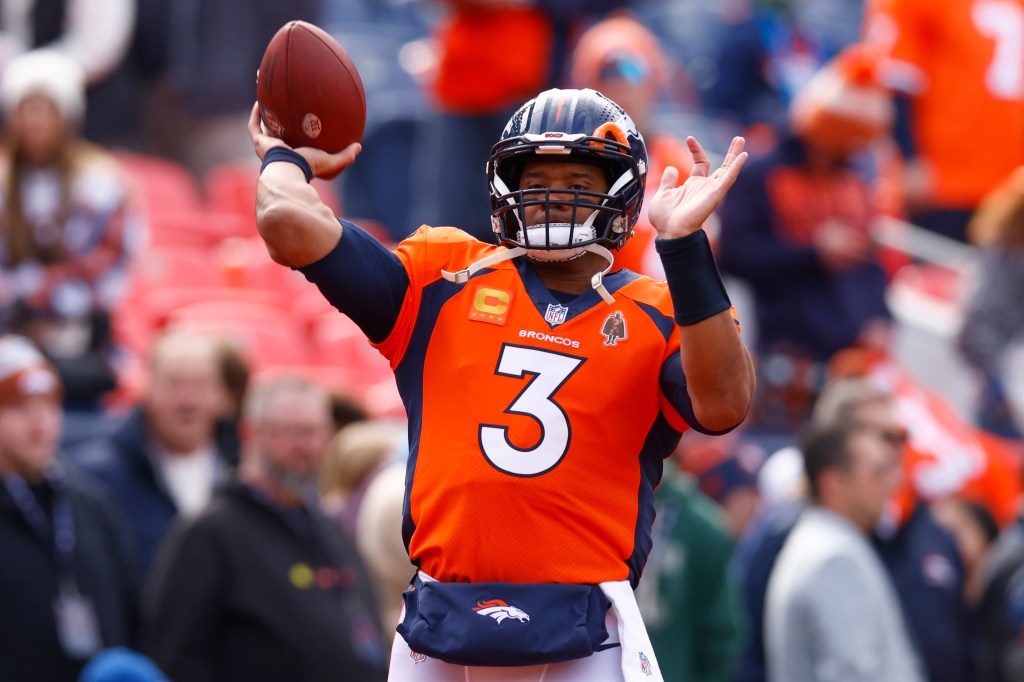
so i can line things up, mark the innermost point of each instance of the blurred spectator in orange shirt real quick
(958, 71)
(621, 58)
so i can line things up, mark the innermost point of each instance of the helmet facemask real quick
(610, 215)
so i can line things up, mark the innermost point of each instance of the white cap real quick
(49, 73)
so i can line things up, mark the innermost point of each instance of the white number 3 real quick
(549, 372)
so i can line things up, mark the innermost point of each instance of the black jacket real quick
(251, 592)
(29, 648)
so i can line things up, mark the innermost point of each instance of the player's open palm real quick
(676, 211)
(323, 164)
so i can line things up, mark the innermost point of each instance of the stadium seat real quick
(163, 184)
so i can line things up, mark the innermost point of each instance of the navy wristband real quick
(693, 280)
(280, 153)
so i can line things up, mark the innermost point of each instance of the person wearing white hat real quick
(66, 224)
(65, 581)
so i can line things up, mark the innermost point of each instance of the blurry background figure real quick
(356, 453)
(305, 609)
(796, 228)
(66, 582)
(831, 611)
(363, 487)
(994, 318)
(919, 556)
(622, 59)
(235, 372)
(955, 67)
(1001, 610)
(121, 665)
(67, 226)
(215, 52)
(491, 56)
(975, 532)
(726, 469)
(380, 543)
(163, 460)
(97, 35)
(688, 602)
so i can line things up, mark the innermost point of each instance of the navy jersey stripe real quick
(664, 323)
(363, 279)
(661, 442)
(409, 375)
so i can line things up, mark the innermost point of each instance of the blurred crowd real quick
(203, 461)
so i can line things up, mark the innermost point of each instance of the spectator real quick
(356, 454)
(263, 586)
(726, 471)
(688, 601)
(994, 316)
(797, 230)
(975, 532)
(163, 460)
(66, 582)
(956, 70)
(1001, 609)
(921, 559)
(67, 225)
(379, 539)
(621, 58)
(214, 56)
(831, 611)
(492, 55)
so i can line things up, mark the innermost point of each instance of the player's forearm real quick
(719, 372)
(296, 225)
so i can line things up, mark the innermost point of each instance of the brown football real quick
(309, 91)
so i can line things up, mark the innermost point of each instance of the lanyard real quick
(61, 530)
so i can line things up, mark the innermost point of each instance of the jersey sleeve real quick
(362, 279)
(423, 255)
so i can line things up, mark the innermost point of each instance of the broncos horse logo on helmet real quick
(580, 126)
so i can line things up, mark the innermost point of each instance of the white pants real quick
(603, 666)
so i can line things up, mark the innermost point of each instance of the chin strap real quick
(597, 281)
(462, 276)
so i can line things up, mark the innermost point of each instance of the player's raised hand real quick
(677, 211)
(323, 164)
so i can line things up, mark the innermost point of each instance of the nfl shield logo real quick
(645, 664)
(556, 314)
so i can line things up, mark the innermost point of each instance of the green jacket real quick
(691, 608)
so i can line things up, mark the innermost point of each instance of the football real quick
(309, 91)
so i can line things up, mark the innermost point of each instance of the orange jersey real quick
(962, 62)
(537, 428)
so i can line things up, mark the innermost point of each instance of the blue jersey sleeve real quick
(673, 385)
(362, 279)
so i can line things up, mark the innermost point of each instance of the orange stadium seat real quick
(338, 342)
(231, 187)
(163, 184)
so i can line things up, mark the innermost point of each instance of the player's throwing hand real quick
(323, 165)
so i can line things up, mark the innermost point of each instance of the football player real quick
(535, 445)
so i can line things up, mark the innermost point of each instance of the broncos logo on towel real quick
(499, 611)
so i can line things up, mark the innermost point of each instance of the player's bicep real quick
(675, 400)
